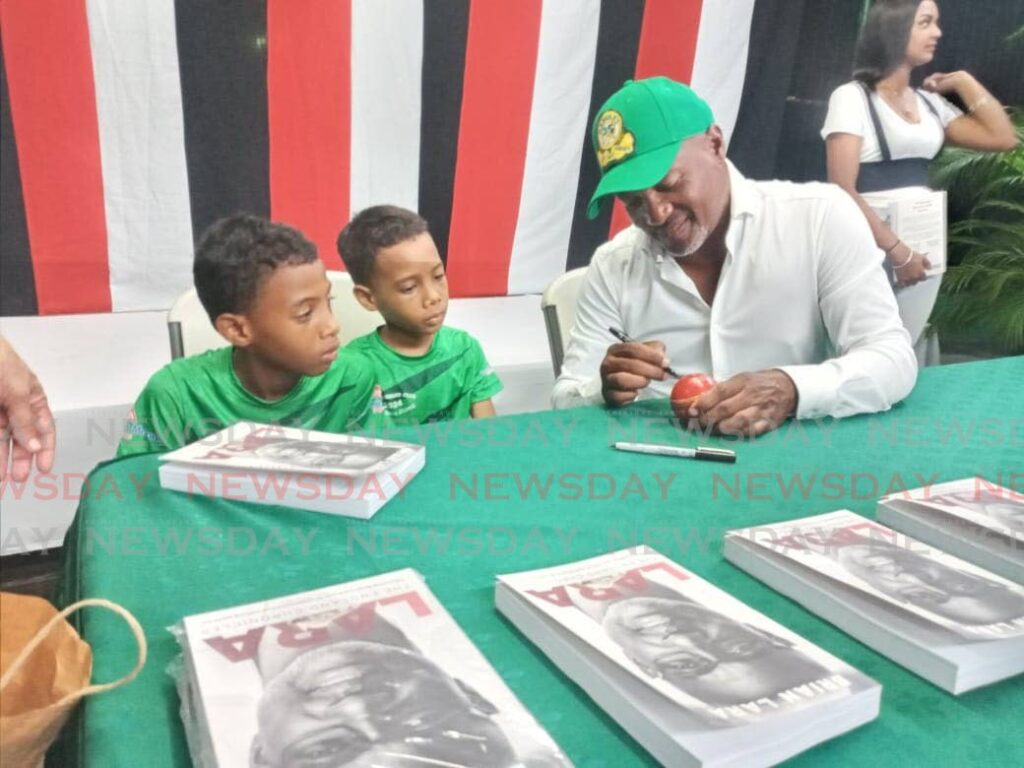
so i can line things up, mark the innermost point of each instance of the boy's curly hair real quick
(237, 253)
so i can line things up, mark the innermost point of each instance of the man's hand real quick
(747, 404)
(26, 423)
(628, 368)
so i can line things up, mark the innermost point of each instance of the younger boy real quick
(266, 292)
(424, 371)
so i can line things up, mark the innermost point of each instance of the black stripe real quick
(419, 380)
(308, 413)
(774, 44)
(445, 29)
(876, 122)
(824, 54)
(17, 283)
(222, 57)
(618, 40)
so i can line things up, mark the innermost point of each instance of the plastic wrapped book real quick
(694, 675)
(338, 474)
(368, 673)
(972, 518)
(949, 621)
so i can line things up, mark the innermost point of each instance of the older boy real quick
(424, 371)
(266, 292)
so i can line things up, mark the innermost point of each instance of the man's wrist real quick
(793, 394)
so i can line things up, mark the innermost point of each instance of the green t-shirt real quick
(442, 384)
(196, 396)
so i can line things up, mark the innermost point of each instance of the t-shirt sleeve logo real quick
(614, 142)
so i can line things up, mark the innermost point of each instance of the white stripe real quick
(558, 131)
(142, 149)
(720, 63)
(387, 64)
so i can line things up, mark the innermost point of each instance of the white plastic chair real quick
(191, 331)
(559, 307)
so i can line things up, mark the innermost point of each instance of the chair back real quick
(191, 331)
(559, 307)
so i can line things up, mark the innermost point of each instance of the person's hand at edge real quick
(27, 430)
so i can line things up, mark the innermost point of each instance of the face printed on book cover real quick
(373, 701)
(314, 454)
(1001, 509)
(910, 577)
(704, 653)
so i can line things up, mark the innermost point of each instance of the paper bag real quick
(44, 670)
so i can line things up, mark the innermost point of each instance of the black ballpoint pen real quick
(626, 340)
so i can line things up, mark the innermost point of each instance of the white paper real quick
(918, 217)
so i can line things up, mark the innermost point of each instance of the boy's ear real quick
(364, 296)
(235, 328)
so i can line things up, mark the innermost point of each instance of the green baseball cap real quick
(637, 134)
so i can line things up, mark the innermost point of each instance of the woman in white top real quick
(880, 133)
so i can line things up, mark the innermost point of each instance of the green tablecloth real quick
(164, 555)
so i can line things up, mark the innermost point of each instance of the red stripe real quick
(501, 58)
(668, 46)
(309, 100)
(53, 109)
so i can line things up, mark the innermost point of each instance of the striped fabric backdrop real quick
(128, 126)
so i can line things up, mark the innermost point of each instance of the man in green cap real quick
(775, 289)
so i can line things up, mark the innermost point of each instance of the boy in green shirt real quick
(267, 293)
(424, 371)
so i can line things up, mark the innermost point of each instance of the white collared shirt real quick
(802, 289)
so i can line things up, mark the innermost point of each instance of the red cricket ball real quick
(689, 387)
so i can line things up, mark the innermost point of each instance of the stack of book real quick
(318, 471)
(695, 676)
(972, 518)
(951, 622)
(368, 673)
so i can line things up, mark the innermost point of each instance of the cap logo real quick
(614, 142)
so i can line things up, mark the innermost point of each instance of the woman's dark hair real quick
(882, 44)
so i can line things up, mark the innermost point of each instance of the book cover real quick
(973, 500)
(269, 448)
(900, 571)
(705, 651)
(369, 673)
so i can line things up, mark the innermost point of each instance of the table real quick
(489, 478)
